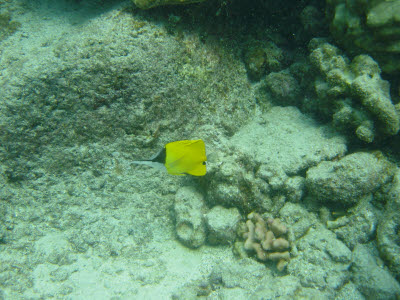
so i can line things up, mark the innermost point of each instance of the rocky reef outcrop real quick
(371, 27)
(352, 93)
(265, 164)
(388, 229)
(145, 4)
(347, 180)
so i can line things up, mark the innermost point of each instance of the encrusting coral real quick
(267, 239)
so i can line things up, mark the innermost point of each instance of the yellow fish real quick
(180, 158)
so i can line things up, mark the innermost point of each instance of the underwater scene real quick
(200, 149)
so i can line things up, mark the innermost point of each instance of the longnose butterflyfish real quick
(180, 158)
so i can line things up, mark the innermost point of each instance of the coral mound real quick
(267, 239)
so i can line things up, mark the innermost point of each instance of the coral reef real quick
(231, 284)
(368, 27)
(298, 219)
(318, 259)
(86, 94)
(313, 21)
(268, 239)
(352, 93)
(347, 180)
(255, 60)
(349, 291)
(145, 4)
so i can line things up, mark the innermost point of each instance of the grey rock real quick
(189, 210)
(322, 261)
(222, 224)
(373, 281)
(345, 181)
(286, 138)
(357, 227)
(55, 249)
(294, 187)
(388, 229)
(289, 285)
(233, 294)
(349, 292)
(231, 275)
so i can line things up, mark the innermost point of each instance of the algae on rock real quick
(7, 27)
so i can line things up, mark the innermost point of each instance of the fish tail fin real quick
(149, 163)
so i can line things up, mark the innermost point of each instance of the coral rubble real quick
(370, 278)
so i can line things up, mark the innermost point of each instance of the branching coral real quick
(267, 239)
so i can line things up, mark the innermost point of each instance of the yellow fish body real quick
(181, 158)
